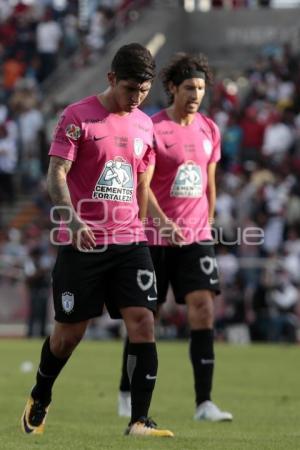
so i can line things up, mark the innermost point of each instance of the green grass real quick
(258, 384)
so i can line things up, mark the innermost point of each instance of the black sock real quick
(49, 369)
(142, 369)
(202, 357)
(124, 382)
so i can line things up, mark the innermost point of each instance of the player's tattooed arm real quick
(57, 185)
(82, 235)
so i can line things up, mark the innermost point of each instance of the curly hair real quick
(133, 61)
(179, 65)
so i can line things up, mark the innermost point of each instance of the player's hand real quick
(173, 233)
(83, 236)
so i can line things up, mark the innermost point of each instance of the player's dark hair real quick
(133, 61)
(183, 66)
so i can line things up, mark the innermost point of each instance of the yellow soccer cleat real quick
(146, 427)
(34, 417)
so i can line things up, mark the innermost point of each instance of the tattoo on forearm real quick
(57, 184)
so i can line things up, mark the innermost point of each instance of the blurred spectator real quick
(283, 297)
(5, 10)
(70, 34)
(98, 27)
(8, 163)
(13, 254)
(48, 38)
(30, 125)
(231, 142)
(253, 133)
(13, 70)
(228, 265)
(37, 277)
(278, 139)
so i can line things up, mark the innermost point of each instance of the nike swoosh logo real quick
(151, 299)
(170, 145)
(99, 138)
(207, 361)
(150, 377)
(213, 280)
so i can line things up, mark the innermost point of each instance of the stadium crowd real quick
(257, 224)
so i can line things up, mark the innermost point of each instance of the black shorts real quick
(188, 268)
(119, 277)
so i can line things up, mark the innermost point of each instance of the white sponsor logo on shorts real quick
(213, 280)
(67, 301)
(151, 299)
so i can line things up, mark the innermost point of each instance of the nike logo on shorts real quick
(170, 145)
(213, 280)
(99, 138)
(151, 299)
(150, 377)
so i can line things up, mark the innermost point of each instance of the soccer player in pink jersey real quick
(98, 183)
(181, 209)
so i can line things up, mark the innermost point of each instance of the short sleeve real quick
(216, 142)
(66, 136)
(147, 160)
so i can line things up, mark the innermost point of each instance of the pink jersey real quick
(108, 151)
(179, 183)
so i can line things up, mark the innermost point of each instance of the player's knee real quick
(63, 346)
(201, 312)
(144, 329)
(205, 310)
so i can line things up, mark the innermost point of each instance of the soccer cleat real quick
(124, 404)
(146, 427)
(34, 417)
(210, 412)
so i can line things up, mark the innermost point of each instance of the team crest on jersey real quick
(188, 181)
(67, 301)
(115, 182)
(73, 131)
(207, 146)
(138, 145)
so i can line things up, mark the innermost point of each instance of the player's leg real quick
(195, 281)
(124, 398)
(55, 353)
(135, 291)
(201, 318)
(162, 282)
(142, 366)
(142, 358)
(76, 287)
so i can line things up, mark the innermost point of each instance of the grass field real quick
(258, 384)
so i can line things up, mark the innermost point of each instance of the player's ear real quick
(172, 87)
(112, 79)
